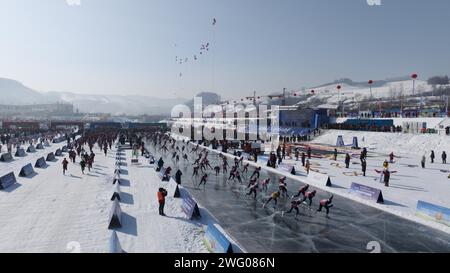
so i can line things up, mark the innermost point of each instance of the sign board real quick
(215, 240)
(172, 189)
(287, 168)
(190, 207)
(433, 212)
(366, 192)
(7, 180)
(319, 178)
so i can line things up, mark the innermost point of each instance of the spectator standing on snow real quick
(347, 160)
(432, 156)
(162, 193)
(65, 163)
(303, 159)
(363, 167)
(307, 166)
(422, 162)
(178, 175)
(335, 153)
(444, 158)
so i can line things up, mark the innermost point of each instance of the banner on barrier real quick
(433, 212)
(287, 168)
(20, 152)
(216, 241)
(50, 157)
(366, 192)
(6, 157)
(263, 159)
(7, 180)
(172, 189)
(320, 178)
(26, 170)
(40, 163)
(190, 208)
(162, 176)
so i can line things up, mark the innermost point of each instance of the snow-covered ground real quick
(50, 212)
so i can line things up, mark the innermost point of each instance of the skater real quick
(294, 205)
(432, 156)
(255, 173)
(274, 196)
(303, 159)
(178, 175)
(264, 184)
(253, 186)
(65, 163)
(195, 171)
(245, 170)
(444, 158)
(422, 162)
(308, 195)
(217, 170)
(282, 186)
(363, 166)
(335, 153)
(309, 152)
(162, 193)
(326, 203)
(82, 165)
(301, 191)
(203, 180)
(347, 160)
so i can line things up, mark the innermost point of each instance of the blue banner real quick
(190, 207)
(434, 212)
(366, 192)
(215, 241)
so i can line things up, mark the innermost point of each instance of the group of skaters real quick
(237, 171)
(104, 141)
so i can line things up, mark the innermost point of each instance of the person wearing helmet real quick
(255, 173)
(274, 196)
(301, 191)
(308, 195)
(294, 205)
(326, 203)
(203, 180)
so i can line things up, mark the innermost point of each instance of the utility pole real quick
(284, 97)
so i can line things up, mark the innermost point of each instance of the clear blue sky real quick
(130, 46)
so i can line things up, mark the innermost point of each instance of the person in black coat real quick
(347, 161)
(387, 176)
(363, 166)
(178, 175)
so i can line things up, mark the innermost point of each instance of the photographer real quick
(162, 193)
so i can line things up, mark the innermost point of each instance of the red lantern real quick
(338, 87)
(414, 76)
(370, 82)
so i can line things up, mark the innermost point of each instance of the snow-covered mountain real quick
(14, 92)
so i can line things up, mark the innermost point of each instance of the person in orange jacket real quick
(162, 193)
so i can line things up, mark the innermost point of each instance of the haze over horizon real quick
(112, 47)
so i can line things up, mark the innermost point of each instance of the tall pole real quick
(284, 97)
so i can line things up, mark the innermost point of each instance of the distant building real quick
(36, 111)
